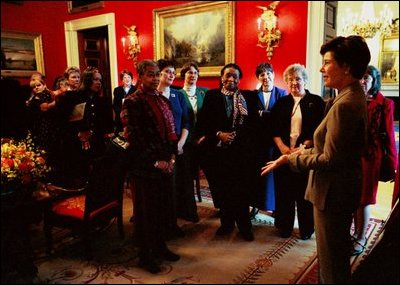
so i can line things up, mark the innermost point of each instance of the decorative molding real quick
(71, 40)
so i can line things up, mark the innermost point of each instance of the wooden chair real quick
(100, 202)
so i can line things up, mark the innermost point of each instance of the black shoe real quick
(150, 265)
(306, 236)
(176, 232)
(170, 256)
(223, 231)
(254, 211)
(285, 234)
(194, 219)
(247, 236)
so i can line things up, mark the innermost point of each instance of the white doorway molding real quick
(71, 40)
(315, 37)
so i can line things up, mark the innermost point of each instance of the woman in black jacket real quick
(295, 117)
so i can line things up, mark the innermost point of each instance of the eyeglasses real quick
(294, 80)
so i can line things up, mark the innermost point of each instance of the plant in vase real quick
(22, 164)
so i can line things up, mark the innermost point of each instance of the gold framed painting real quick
(389, 59)
(79, 6)
(202, 32)
(22, 54)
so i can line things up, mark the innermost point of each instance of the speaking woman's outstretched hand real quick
(271, 165)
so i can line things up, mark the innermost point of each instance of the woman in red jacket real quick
(378, 120)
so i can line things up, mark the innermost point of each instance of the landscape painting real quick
(21, 53)
(200, 32)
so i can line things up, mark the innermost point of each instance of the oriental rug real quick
(205, 258)
(309, 274)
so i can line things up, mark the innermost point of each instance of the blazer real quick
(213, 118)
(335, 160)
(146, 146)
(312, 111)
(179, 110)
(260, 116)
(119, 95)
(200, 94)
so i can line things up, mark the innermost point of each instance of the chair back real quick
(105, 187)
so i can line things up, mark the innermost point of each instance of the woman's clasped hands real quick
(165, 166)
(226, 137)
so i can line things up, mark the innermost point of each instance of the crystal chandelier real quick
(367, 25)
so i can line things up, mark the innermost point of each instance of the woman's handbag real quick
(387, 172)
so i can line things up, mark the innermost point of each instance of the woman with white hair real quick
(295, 117)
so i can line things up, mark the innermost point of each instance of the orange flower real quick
(9, 162)
(21, 162)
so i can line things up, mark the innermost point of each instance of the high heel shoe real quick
(254, 211)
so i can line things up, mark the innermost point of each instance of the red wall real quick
(48, 17)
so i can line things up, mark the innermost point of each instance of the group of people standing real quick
(71, 123)
(271, 149)
(339, 174)
(314, 148)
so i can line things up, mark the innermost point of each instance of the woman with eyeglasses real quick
(181, 121)
(294, 120)
(194, 97)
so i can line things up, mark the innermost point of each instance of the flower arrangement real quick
(21, 163)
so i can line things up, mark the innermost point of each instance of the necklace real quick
(295, 108)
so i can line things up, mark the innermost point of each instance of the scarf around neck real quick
(163, 114)
(239, 106)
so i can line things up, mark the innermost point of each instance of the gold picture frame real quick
(202, 31)
(22, 54)
(389, 59)
(79, 6)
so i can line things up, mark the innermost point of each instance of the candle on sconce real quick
(123, 42)
(259, 24)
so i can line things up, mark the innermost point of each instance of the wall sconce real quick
(367, 25)
(268, 34)
(130, 44)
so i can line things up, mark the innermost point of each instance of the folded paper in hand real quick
(77, 112)
(120, 142)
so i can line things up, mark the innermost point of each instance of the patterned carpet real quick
(205, 258)
(309, 274)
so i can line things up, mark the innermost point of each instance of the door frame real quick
(71, 29)
(315, 38)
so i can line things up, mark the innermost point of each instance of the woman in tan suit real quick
(334, 184)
